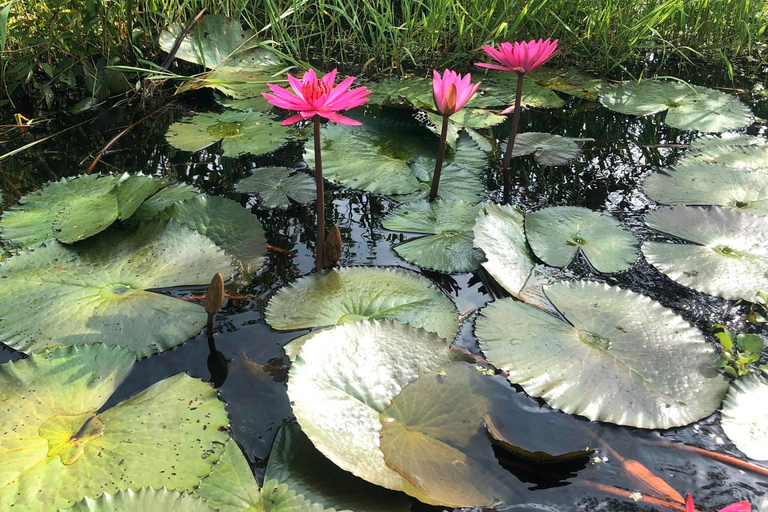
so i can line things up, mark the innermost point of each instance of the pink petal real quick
(340, 90)
(689, 503)
(293, 120)
(296, 85)
(338, 118)
(286, 96)
(309, 76)
(742, 506)
(330, 78)
(491, 66)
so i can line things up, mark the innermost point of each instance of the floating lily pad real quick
(345, 376)
(143, 500)
(397, 159)
(556, 234)
(705, 184)
(98, 291)
(731, 150)
(546, 148)
(434, 434)
(745, 419)
(163, 200)
(689, 107)
(257, 102)
(569, 81)
(499, 232)
(239, 132)
(65, 447)
(466, 119)
(73, 209)
(616, 359)
(727, 255)
(361, 293)
(447, 228)
(277, 187)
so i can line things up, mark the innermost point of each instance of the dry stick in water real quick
(320, 207)
(721, 457)
(512, 136)
(621, 493)
(214, 299)
(172, 54)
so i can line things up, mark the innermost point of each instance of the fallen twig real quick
(621, 493)
(721, 457)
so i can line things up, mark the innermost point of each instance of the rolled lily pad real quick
(97, 292)
(556, 234)
(277, 187)
(447, 228)
(73, 209)
(731, 150)
(616, 359)
(361, 293)
(705, 184)
(434, 434)
(569, 81)
(689, 107)
(398, 160)
(345, 376)
(143, 500)
(66, 447)
(727, 255)
(546, 148)
(745, 420)
(239, 132)
(499, 232)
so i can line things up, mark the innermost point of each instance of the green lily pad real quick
(731, 150)
(73, 209)
(705, 184)
(499, 232)
(745, 421)
(250, 132)
(556, 234)
(727, 255)
(447, 228)
(689, 107)
(97, 291)
(362, 293)
(163, 200)
(230, 486)
(397, 160)
(277, 187)
(65, 447)
(569, 81)
(256, 102)
(467, 119)
(546, 148)
(143, 500)
(616, 358)
(434, 434)
(337, 398)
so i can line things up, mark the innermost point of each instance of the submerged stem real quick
(511, 140)
(439, 161)
(320, 206)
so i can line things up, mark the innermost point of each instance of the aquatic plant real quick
(451, 92)
(519, 58)
(742, 506)
(738, 352)
(316, 98)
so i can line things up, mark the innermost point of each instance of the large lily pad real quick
(143, 500)
(546, 148)
(569, 81)
(344, 377)
(616, 359)
(166, 198)
(277, 187)
(731, 150)
(727, 255)
(556, 234)
(745, 419)
(397, 159)
(98, 291)
(239, 132)
(705, 184)
(434, 433)
(73, 209)
(65, 448)
(447, 228)
(360, 293)
(689, 107)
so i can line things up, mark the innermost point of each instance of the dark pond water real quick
(248, 362)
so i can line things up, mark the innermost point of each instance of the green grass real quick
(55, 40)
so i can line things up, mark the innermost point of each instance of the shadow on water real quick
(245, 359)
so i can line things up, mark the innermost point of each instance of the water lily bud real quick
(214, 298)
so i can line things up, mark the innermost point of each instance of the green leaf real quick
(277, 187)
(738, 151)
(230, 486)
(143, 500)
(727, 255)
(569, 81)
(557, 233)
(362, 293)
(546, 148)
(167, 197)
(726, 342)
(67, 447)
(750, 343)
(447, 228)
(616, 359)
(98, 291)
(745, 417)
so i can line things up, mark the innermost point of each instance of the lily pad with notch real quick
(100, 290)
(744, 420)
(546, 148)
(67, 447)
(726, 253)
(557, 233)
(278, 188)
(612, 356)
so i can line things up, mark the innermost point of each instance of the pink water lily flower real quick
(520, 57)
(452, 91)
(741, 506)
(314, 96)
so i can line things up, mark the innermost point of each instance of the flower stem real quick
(439, 161)
(511, 140)
(320, 206)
